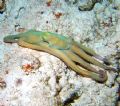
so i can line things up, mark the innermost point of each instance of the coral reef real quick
(53, 83)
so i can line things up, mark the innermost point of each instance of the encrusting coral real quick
(76, 56)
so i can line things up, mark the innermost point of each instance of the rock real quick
(71, 1)
(111, 79)
(117, 4)
(2, 83)
(29, 63)
(87, 5)
(83, 5)
(2, 6)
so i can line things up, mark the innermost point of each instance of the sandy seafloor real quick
(53, 83)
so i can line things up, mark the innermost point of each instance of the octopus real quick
(76, 56)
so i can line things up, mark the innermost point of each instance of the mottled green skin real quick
(37, 37)
(73, 54)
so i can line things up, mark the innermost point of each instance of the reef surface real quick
(33, 78)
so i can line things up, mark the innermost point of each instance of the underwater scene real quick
(60, 53)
